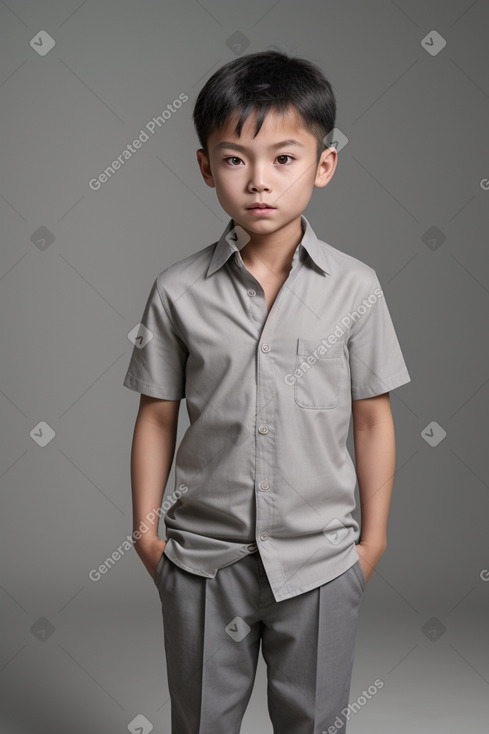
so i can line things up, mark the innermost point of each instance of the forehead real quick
(276, 126)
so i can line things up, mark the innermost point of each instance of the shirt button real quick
(264, 536)
(265, 485)
(252, 548)
(265, 347)
(263, 428)
(251, 292)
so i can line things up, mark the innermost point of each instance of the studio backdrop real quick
(99, 192)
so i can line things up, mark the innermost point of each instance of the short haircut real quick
(264, 81)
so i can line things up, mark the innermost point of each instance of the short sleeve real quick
(158, 360)
(376, 360)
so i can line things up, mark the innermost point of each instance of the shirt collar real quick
(234, 238)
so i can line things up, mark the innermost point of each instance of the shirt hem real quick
(202, 571)
(350, 561)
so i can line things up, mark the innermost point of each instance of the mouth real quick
(260, 206)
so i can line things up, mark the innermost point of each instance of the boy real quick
(275, 339)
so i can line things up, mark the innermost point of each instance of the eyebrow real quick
(235, 146)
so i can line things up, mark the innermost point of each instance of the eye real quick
(232, 158)
(284, 155)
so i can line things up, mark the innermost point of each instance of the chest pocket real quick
(321, 375)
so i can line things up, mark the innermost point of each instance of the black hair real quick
(260, 82)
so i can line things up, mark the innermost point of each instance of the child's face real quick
(247, 170)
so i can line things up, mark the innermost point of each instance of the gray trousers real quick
(212, 632)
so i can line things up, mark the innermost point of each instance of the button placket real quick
(256, 296)
(265, 445)
(265, 396)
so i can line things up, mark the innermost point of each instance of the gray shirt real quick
(264, 464)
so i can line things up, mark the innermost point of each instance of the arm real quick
(375, 453)
(152, 451)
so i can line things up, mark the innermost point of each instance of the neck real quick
(274, 251)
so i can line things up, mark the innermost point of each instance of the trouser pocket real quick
(357, 567)
(158, 568)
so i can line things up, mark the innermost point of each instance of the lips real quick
(260, 206)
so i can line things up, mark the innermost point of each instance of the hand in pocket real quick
(150, 551)
(368, 564)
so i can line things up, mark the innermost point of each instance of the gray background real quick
(79, 655)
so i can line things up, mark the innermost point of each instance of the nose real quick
(258, 187)
(257, 182)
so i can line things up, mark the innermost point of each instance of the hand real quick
(150, 551)
(368, 557)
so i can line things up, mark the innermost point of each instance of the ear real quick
(326, 166)
(205, 168)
